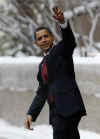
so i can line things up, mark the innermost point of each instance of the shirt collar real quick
(44, 54)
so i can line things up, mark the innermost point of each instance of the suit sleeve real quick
(38, 102)
(68, 40)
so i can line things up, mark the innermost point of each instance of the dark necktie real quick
(45, 79)
(44, 72)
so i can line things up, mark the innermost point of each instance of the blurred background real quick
(19, 57)
(19, 18)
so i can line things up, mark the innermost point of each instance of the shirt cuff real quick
(64, 25)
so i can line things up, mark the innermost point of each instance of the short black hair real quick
(42, 28)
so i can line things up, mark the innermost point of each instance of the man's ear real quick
(34, 42)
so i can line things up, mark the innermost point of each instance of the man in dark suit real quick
(57, 82)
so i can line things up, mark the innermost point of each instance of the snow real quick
(87, 60)
(79, 9)
(3, 2)
(37, 60)
(8, 131)
(20, 60)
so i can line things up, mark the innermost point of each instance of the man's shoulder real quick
(58, 48)
(60, 43)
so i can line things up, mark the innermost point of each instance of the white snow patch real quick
(8, 131)
(20, 60)
(87, 60)
(97, 95)
(37, 60)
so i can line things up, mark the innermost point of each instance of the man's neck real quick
(47, 52)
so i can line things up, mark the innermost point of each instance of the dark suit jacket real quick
(61, 80)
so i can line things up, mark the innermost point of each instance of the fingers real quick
(57, 11)
(58, 14)
(28, 123)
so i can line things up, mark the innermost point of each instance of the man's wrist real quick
(64, 24)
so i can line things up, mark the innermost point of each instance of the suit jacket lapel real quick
(47, 59)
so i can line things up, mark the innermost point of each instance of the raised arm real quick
(67, 33)
(68, 39)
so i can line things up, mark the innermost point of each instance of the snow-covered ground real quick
(8, 131)
(87, 70)
(20, 73)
